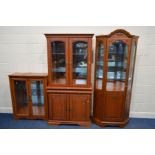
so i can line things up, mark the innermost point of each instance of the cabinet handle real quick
(129, 78)
(87, 101)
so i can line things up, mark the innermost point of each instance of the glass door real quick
(21, 97)
(79, 62)
(99, 65)
(37, 97)
(59, 62)
(117, 65)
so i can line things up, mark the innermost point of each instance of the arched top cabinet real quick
(114, 68)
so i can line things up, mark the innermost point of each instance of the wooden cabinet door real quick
(20, 96)
(58, 61)
(37, 89)
(80, 62)
(57, 106)
(79, 107)
(113, 106)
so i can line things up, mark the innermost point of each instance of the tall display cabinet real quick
(114, 70)
(69, 78)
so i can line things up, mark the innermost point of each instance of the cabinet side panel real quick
(98, 105)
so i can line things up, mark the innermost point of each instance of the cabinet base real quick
(56, 122)
(121, 124)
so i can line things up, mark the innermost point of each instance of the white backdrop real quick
(23, 49)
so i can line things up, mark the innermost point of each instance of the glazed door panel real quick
(21, 97)
(79, 65)
(58, 61)
(38, 98)
(58, 106)
(130, 76)
(79, 107)
(117, 63)
(99, 65)
(113, 106)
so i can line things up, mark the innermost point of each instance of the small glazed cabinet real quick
(28, 92)
(69, 78)
(114, 69)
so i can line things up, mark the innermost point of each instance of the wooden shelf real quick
(80, 81)
(59, 81)
(38, 110)
(115, 86)
(23, 110)
(99, 84)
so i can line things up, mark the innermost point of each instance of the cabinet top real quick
(28, 74)
(69, 35)
(118, 33)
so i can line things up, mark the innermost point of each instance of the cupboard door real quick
(80, 62)
(113, 106)
(21, 97)
(79, 107)
(37, 92)
(58, 61)
(58, 106)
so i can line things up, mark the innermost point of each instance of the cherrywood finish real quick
(68, 39)
(112, 99)
(30, 111)
(58, 106)
(69, 107)
(69, 103)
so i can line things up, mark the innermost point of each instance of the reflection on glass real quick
(99, 65)
(21, 97)
(58, 62)
(37, 98)
(117, 61)
(80, 62)
(132, 58)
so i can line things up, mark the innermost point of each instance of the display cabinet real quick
(114, 70)
(69, 78)
(28, 91)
